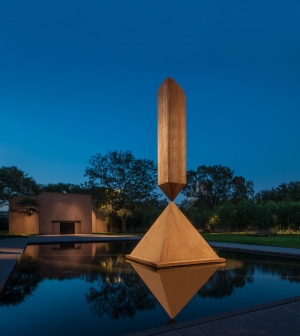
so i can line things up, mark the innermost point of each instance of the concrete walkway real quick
(275, 318)
(270, 250)
(280, 318)
(10, 253)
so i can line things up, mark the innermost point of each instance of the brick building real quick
(58, 214)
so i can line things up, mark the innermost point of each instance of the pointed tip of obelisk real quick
(169, 81)
(171, 189)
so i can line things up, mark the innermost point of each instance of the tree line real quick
(240, 209)
(125, 190)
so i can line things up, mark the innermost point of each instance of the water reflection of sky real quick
(90, 288)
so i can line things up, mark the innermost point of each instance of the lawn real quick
(138, 234)
(4, 234)
(280, 240)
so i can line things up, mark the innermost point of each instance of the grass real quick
(279, 240)
(4, 235)
(139, 234)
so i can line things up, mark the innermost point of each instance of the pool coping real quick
(11, 251)
(212, 318)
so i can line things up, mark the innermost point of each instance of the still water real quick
(78, 289)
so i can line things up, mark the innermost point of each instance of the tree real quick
(65, 188)
(215, 184)
(247, 213)
(214, 222)
(285, 191)
(288, 191)
(14, 182)
(146, 213)
(285, 213)
(127, 179)
(266, 195)
(296, 216)
(266, 216)
(241, 189)
(225, 213)
(197, 212)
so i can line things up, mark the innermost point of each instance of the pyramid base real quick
(172, 241)
(175, 263)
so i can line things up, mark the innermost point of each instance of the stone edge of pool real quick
(256, 320)
(11, 251)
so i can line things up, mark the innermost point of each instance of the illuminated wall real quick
(22, 223)
(57, 208)
(98, 222)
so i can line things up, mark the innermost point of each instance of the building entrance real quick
(67, 228)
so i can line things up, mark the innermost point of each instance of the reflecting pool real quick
(90, 289)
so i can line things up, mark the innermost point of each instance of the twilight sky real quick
(81, 77)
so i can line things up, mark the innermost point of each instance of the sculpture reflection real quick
(174, 287)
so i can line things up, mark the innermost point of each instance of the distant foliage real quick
(124, 189)
(65, 188)
(227, 203)
(285, 191)
(215, 184)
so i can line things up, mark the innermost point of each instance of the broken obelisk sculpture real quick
(172, 240)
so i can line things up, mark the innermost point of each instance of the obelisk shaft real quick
(171, 138)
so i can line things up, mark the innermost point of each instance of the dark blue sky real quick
(81, 77)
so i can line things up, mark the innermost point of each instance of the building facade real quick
(58, 214)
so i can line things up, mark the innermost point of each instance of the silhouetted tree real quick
(247, 213)
(65, 188)
(285, 213)
(196, 211)
(225, 215)
(285, 191)
(128, 180)
(241, 189)
(14, 182)
(214, 184)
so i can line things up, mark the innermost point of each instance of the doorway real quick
(67, 228)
